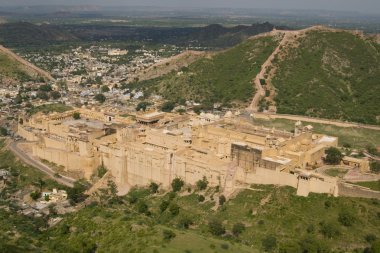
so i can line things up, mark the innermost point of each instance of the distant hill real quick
(14, 69)
(22, 34)
(27, 34)
(209, 36)
(329, 73)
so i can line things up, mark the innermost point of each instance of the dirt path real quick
(29, 66)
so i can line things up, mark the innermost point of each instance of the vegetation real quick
(227, 76)
(336, 172)
(76, 115)
(48, 108)
(333, 156)
(100, 98)
(177, 184)
(331, 75)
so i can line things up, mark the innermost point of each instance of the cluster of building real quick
(159, 147)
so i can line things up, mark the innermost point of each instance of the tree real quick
(333, 155)
(153, 187)
(375, 247)
(104, 89)
(201, 198)
(177, 184)
(168, 234)
(76, 193)
(238, 228)
(168, 106)
(202, 184)
(269, 243)
(174, 209)
(40, 184)
(100, 98)
(18, 99)
(222, 200)
(76, 115)
(216, 227)
(164, 205)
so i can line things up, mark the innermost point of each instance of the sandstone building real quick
(158, 147)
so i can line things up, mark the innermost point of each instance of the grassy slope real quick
(331, 75)
(11, 69)
(225, 77)
(291, 219)
(48, 108)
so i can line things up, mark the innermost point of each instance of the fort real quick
(157, 147)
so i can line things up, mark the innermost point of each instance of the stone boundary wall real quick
(351, 190)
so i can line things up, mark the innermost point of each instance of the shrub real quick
(291, 247)
(370, 238)
(311, 244)
(168, 234)
(202, 184)
(35, 195)
(168, 106)
(216, 227)
(76, 115)
(142, 207)
(100, 98)
(330, 229)
(346, 218)
(105, 88)
(238, 228)
(201, 198)
(101, 171)
(177, 184)
(269, 243)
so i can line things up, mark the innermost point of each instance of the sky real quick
(366, 6)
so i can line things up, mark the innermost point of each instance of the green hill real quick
(224, 77)
(330, 74)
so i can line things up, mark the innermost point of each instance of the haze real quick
(366, 6)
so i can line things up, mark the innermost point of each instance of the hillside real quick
(15, 69)
(223, 77)
(328, 73)
(26, 34)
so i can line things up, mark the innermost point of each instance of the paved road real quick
(40, 166)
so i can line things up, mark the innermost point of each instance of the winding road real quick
(38, 165)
